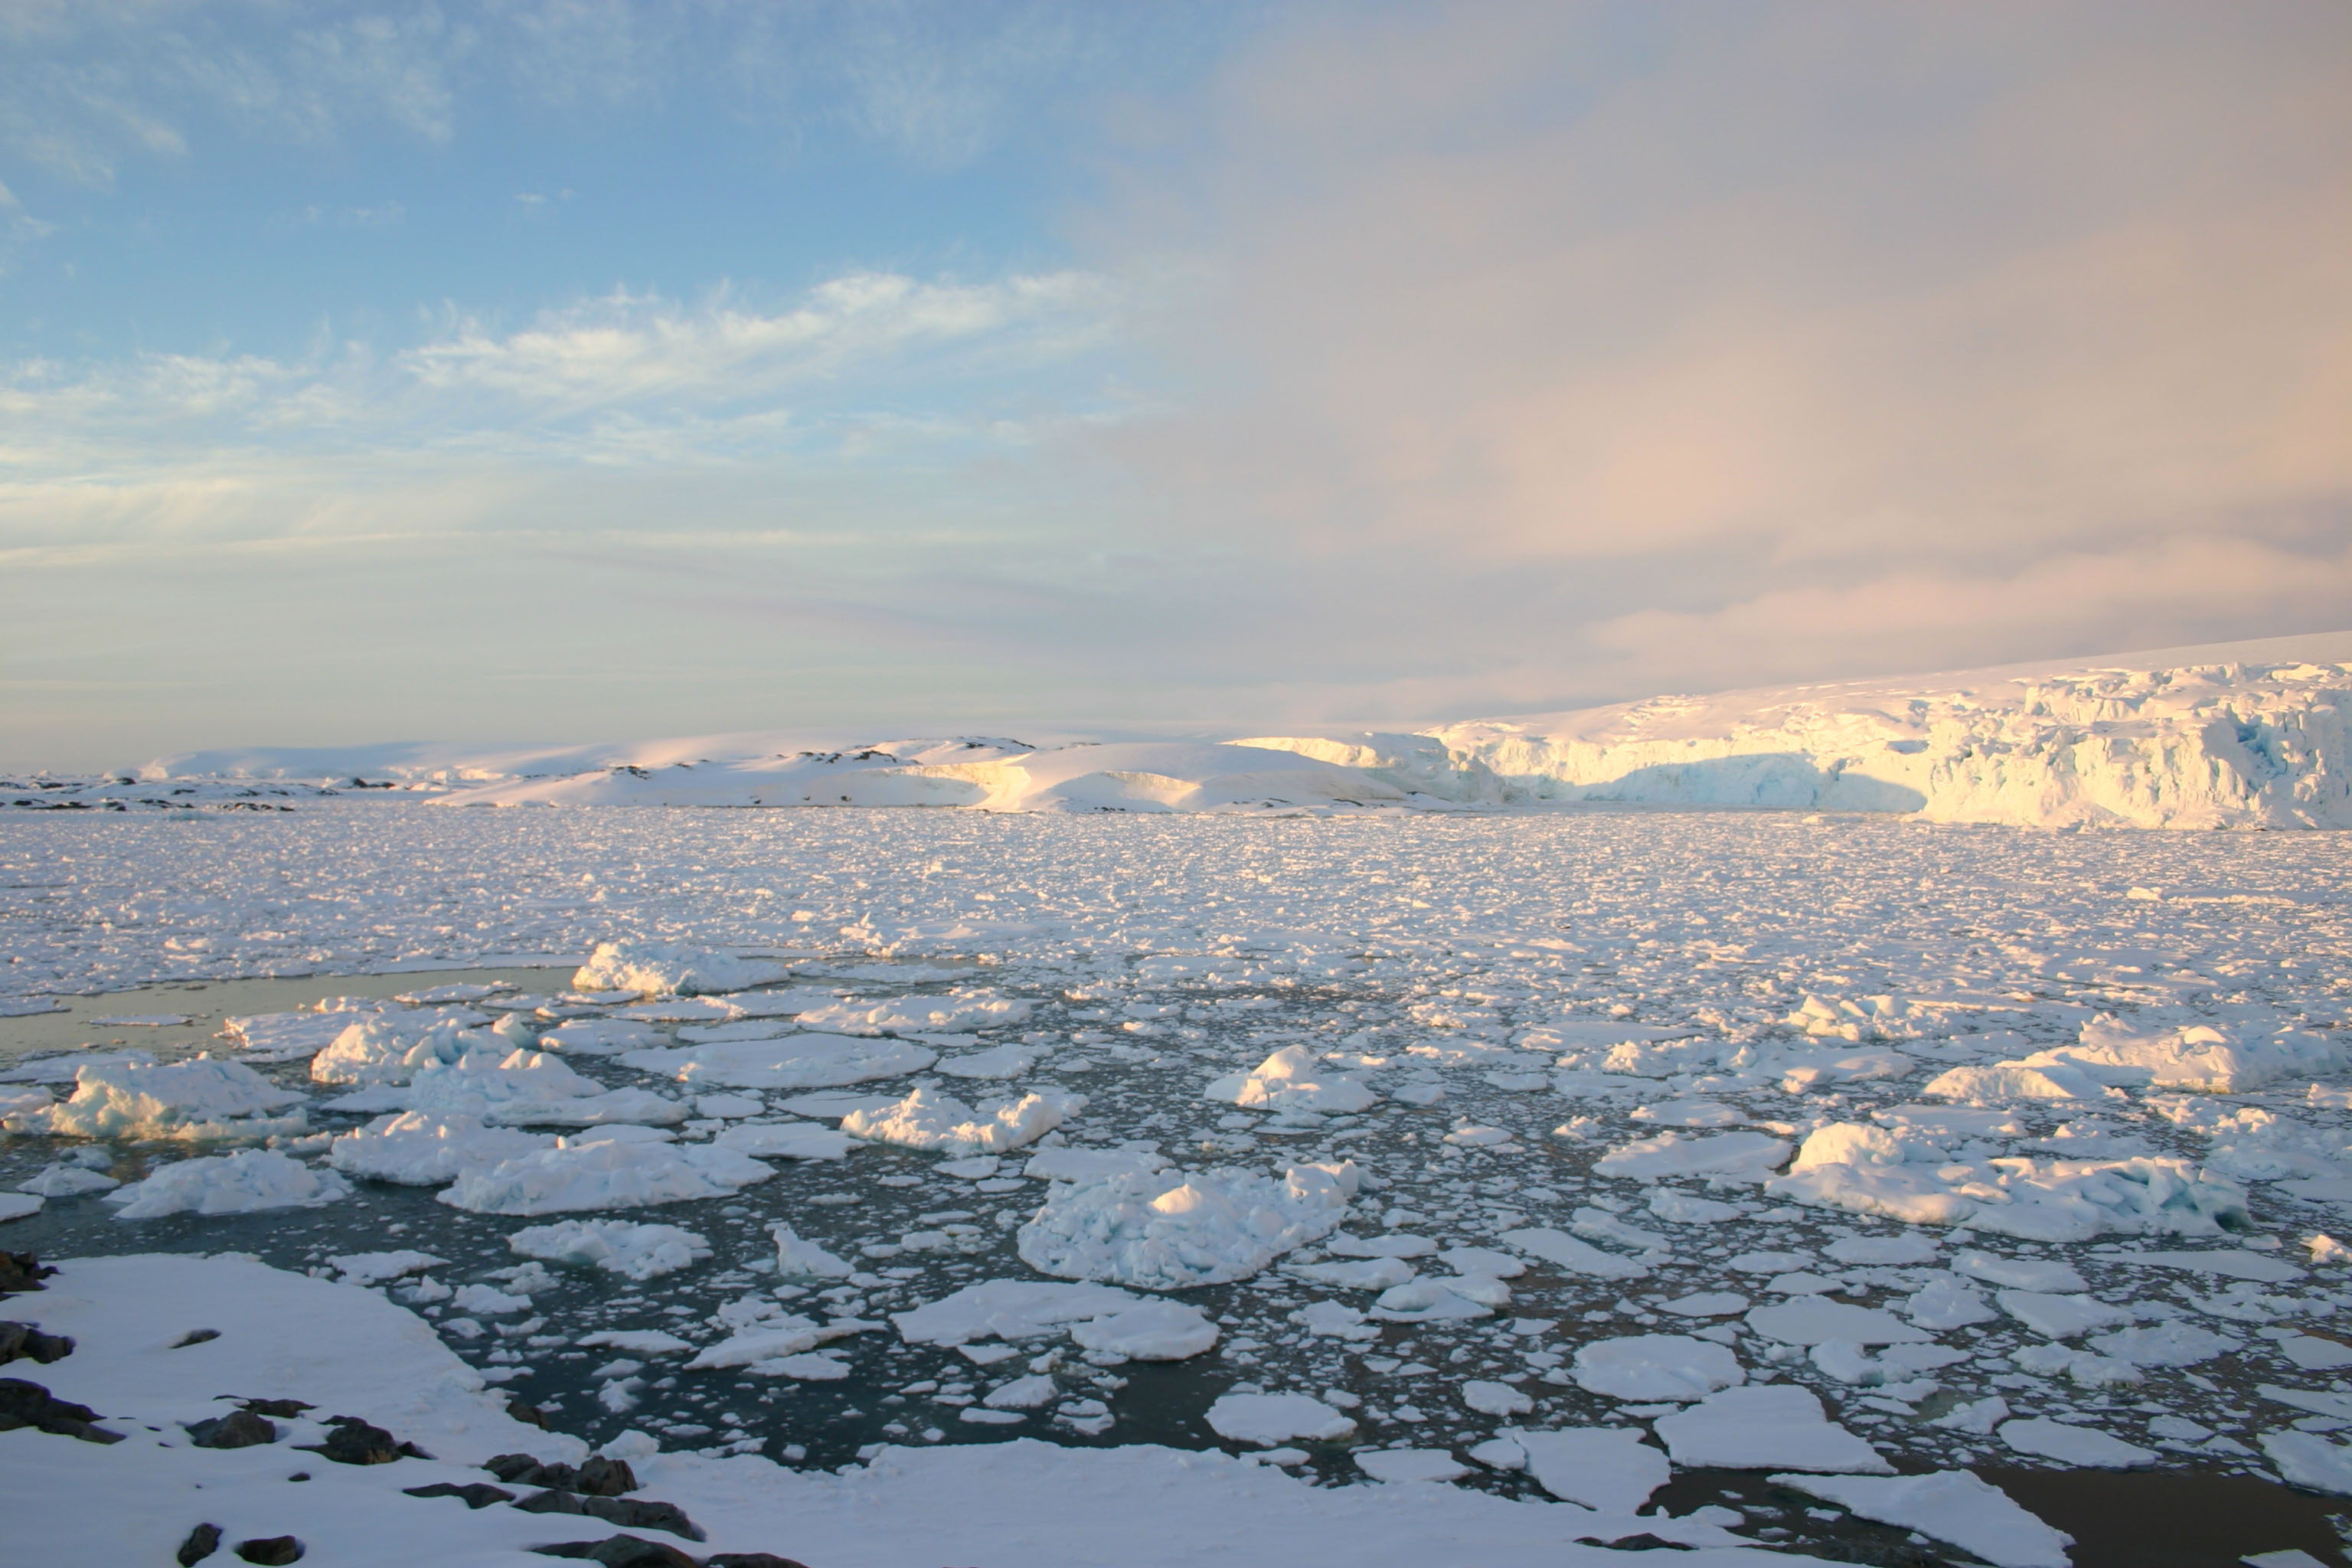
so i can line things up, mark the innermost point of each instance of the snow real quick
(202, 1100)
(1165, 1232)
(1648, 1367)
(649, 969)
(247, 1181)
(929, 1120)
(2073, 1444)
(792, 1061)
(1288, 1080)
(578, 1175)
(1950, 1505)
(1270, 1418)
(639, 1252)
(1764, 1427)
(1606, 1468)
(427, 1148)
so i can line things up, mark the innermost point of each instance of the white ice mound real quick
(1905, 1175)
(648, 969)
(392, 1047)
(1290, 1080)
(926, 1119)
(918, 1015)
(639, 1252)
(202, 1100)
(291, 1037)
(1656, 1367)
(1169, 1231)
(2223, 1058)
(427, 1148)
(1950, 1505)
(1766, 1426)
(243, 1182)
(604, 1174)
(1269, 1418)
(2247, 735)
(794, 1061)
(797, 1258)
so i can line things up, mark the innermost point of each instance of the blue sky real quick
(557, 370)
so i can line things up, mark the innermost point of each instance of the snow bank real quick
(639, 1252)
(649, 970)
(929, 1120)
(247, 1181)
(202, 1100)
(604, 1174)
(2239, 735)
(1165, 1232)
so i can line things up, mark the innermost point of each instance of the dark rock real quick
(201, 1543)
(523, 1471)
(601, 1476)
(271, 1550)
(478, 1494)
(242, 1429)
(1644, 1542)
(621, 1551)
(751, 1560)
(355, 1442)
(24, 1404)
(22, 1271)
(299, 1476)
(631, 1513)
(193, 1336)
(23, 1341)
(283, 1409)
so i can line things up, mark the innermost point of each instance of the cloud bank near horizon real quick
(1379, 363)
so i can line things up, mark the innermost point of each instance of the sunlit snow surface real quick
(1601, 1062)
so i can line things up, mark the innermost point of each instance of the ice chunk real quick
(1947, 1304)
(2071, 1445)
(201, 1101)
(919, 1014)
(18, 1205)
(1650, 1367)
(1765, 1426)
(1607, 1468)
(1398, 1467)
(797, 1258)
(599, 1036)
(291, 1037)
(1705, 1304)
(2060, 1317)
(1896, 1251)
(1687, 1113)
(2261, 1268)
(2170, 1343)
(2308, 1459)
(2056, 1199)
(390, 1047)
(426, 1148)
(1334, 1319)
(635, 1342)
(2018, 1273)
(375, 1267)
(2313, 1354)
(1431, 1301)
(1363, 1274)
(929, 1120)
(247, 1181)
(1270, 1418)
(65, 1181)
(762, 1345)
(1023, 1394)
(1812, 1321)
(1091, 1164)
(1289, 1080)
(578, 1174)
(1395, 1244)
(1949, 1505)
(2014, 1080)
(639, 1252)
(1010, 1309)
(651, 970)
(1728, 1156)
(795, 1061)
(1686, 1209)
(728, 1107)
(1490, 1398)
(1565, 1251)
(786, 1141)
(2224, 1059)
(1155, 1331)
(998, 1061)
(1166, 1232)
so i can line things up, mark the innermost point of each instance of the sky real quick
(560, 370)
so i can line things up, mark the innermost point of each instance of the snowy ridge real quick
(2255, 734)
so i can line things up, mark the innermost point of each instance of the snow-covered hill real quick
(2255, 734)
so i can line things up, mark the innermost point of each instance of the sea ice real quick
(2018, 1273)
(650, 970)
(2307, 1459)
(427, 1148)
(1607, 1468)
(786, 1141)
(1071, 1164)
(1728, 1156)
(291, 1037)
(1765, 1426)
(639, 1252)
(1154, 1331)
(1270, 1418)
(918, 1015)
(1813, 1321)
(201, 1101)
(1950, 1505)
(997, 1061)
(392, 1048)
(2070, 1445)
(1565, 1251)
(2060, 1317)
(20, 1205)
(1011, 1309)
(1653, 1367)
(376, 1268)
(604, 1173)
(247, 1181)
(1290, 1080)
(926, 1119)
(1165, 1232)
(797, 1258)
(794, 1061)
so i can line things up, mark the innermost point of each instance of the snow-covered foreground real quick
(1344, 1187)
(2251, 734)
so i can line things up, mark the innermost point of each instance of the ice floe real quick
(1650, 1367)
(639, 1252)
(651, 968)
(1949, 1505)
(1164, 1232)
(789, 1061)
(1290, 1080)
(201, 1101)
(1270, 1418)
(246, 1181)
(929, 1120)
(1763, 1427)
(1605, 1467)
(427, 1149)
(578, 1173)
